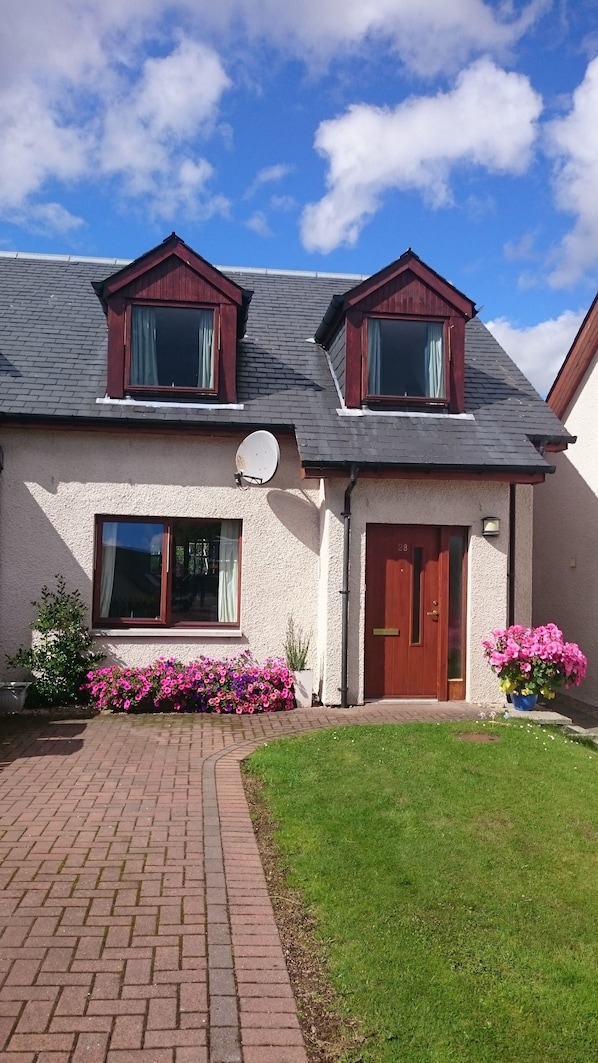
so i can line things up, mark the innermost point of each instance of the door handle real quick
(433, 612)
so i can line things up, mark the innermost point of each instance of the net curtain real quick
(228, 571)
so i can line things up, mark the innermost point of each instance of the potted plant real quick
(12, 696)
(533, 661)
(296, 649)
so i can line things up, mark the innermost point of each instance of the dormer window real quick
(173, 347)
(405, 360)
(397, 339)
(173, 326)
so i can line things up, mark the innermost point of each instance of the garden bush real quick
(234, 685)
(62, 653)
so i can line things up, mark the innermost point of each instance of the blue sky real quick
(323, 135)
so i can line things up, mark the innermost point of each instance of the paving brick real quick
(282, 1037)
(225, 1046)
(269, 1054)
(128, 1032)
(270, 1020)
(223, 1011)
(81, 1023)
(90, 1048)
(191, 1055)
(162, 1014)
(42, 1042)
(173, 1038)
(149, 1055)
(36, 1017)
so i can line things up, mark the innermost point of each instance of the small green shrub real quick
(62, 652)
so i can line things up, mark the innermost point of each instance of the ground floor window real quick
(166, 571)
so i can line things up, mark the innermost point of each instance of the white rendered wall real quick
(566, 537)
(55, 482)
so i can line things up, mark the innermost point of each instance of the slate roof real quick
(53, 365)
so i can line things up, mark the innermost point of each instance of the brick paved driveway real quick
(135, 923)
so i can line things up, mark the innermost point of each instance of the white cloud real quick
(80, 99)
(283, 203)
(175, 99)
(429, 36)
(538, 350)
(48, 219)
(524, 248)
(268, 175)
(488, 120)
(574, 141)
(258, 223)
(36, 145)
(100, 108)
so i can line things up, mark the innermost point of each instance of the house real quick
(566, 509)
(398, 526)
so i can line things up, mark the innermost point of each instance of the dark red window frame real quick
(166, 576)
(423, 401)
(158, 391)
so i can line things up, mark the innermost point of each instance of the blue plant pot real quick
(524, 702)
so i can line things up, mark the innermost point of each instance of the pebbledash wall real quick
(565, 535)
(55, 482)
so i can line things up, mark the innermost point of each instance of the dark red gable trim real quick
(172, 246)
(410, 261)
(577, 362)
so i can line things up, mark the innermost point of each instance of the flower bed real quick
(534, 660)
(234, 685)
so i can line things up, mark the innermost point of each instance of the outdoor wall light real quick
(490, 527)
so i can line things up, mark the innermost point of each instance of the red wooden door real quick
(402, 611)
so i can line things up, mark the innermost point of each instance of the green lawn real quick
(455, 885)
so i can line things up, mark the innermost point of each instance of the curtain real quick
(109, 547)
(144, 355)
(228, 571)
(374, 353)
(205, 368)
(434, 363)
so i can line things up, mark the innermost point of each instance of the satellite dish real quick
(257, 458)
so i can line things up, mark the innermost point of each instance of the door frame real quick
(452, 689)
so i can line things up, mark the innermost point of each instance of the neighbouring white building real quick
(566, 509)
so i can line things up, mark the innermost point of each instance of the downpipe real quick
(346, 515)
(511, 563)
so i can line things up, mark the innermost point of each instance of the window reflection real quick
(131, 569)
(455, 655)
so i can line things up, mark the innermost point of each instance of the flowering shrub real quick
(232, 685)
(534, 660)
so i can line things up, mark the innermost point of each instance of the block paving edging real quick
(135, 920)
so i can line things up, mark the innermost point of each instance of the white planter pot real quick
(303, 688)
(12, 696)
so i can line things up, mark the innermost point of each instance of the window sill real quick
(157, 404)
(198, 633)
(366, 411)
